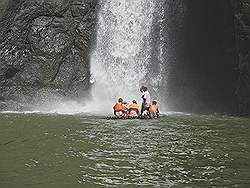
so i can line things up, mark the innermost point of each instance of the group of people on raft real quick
(148, 108)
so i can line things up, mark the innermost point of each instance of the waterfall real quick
(119, 63)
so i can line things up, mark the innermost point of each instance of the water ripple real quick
(127, 152)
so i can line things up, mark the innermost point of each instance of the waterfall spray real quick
(120, 61)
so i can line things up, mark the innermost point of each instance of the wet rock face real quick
(243, 90)
(202, 73)
(210, 60)
(3, 5)
(44, 49)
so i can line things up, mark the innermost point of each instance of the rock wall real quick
(203, 73)
(44, 50)
(210, 63)
(242, 17)
(3, 6)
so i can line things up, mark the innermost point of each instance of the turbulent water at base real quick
(119, 62)
(56, 151)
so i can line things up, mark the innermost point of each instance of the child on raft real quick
(119, 108)
(123, 110)
(154, 110)
(133, 109)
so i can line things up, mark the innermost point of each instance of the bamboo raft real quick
(127, 118)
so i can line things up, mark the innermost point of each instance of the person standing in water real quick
(145, 100)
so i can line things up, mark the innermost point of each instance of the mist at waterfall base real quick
(120, 62)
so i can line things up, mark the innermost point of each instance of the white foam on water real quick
(19, 112)
(78, 110)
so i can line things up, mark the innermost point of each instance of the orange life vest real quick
(118, 106)
(134, 106)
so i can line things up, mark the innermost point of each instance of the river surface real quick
(50, 151)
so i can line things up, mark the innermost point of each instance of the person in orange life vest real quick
(119, 108)
(154, 109)
(133, 109)
(125, 108)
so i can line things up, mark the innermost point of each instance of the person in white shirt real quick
(146, 99)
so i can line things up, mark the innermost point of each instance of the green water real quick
(51, 151)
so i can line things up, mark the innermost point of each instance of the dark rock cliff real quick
(210, 65)
(44, 50)
(242, 16)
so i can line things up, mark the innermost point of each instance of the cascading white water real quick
(119, 62)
